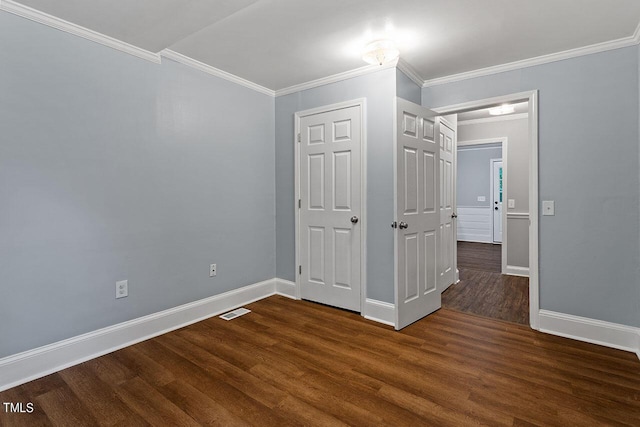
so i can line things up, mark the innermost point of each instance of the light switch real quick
(482, 199)
(548, 208)
(511, 203)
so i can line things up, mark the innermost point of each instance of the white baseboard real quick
(380, 311)
(512, 270)
(32, 364)
(608, 334)
(286, 288)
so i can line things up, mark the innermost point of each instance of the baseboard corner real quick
(512, 270)
(286, 288)
(380, 311)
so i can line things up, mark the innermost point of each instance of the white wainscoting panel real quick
(474, 224)
(594, 331)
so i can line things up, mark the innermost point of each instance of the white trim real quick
(380, 311)
(532, 98)
(410, 72)
(493, 119)
(32, 364)
(591, 330)
(190, 62)
(486, 141)
(286, 288)
(539, 60)
(77, 30)
(367, 69)
(512, 270)
(362, 103)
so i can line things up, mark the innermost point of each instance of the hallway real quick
(482, 290)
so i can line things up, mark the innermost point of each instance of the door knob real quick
(496, 208)
(403, 225)
(354, 219)
(454, 215)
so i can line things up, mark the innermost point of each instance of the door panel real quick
(417, 195)
(330, 246)
(446, 267)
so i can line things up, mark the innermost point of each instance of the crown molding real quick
(493, 119)
(190, 62)
(68, 27)
(539, 60)
(367, 69)
(410, 72)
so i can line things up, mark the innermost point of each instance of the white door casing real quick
(417, 212)
(330, 220)
(447, 230)
(497, 195)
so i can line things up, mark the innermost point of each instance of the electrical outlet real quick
(213, 270)
(122, 289)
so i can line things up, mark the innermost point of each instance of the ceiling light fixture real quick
(502, 110)
(380, 52)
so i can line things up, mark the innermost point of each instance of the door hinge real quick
(299, 138)
(299, 203)
(299, 269)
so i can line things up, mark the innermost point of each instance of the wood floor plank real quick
(299, 363)
(63, 408)
(99, 399)
(483, 290)
(151, 405)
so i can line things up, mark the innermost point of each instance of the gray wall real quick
(379, 89)
(588, 163)
(474, 174)
(407, 89)
(115, 168)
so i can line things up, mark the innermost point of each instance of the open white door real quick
(417, 212)
(330, 207)
(447, 235)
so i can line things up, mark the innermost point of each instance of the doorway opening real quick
(496, 195)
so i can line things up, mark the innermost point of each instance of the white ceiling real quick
(280, 43)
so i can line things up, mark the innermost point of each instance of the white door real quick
(447, 235)
(417, 212)
(329, 205)
(496, 182)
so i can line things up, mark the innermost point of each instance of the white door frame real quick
(493, 195)
(532, 98)
(504, 141)
(362, 103)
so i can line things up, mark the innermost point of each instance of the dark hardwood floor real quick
(299, 363)
(482, 290)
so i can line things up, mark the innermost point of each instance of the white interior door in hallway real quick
(447, 228)
(417, 211)
(330, 235)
